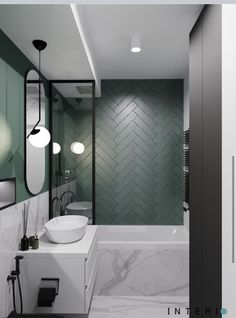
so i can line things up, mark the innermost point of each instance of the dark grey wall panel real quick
(195, 165)
(139, 129)
(212, 47)
(205, 163)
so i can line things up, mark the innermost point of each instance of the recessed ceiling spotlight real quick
(135, 45)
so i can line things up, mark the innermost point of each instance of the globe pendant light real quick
(56, 148)
(39, 136)
(77, 148)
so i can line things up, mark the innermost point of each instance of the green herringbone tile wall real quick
(139, 127)
(83, 162)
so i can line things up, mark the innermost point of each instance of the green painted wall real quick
(139, 127)
(13, 67)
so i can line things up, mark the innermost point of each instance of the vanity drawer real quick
(89, 263)
(90, 287)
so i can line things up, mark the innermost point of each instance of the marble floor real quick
(138, 307)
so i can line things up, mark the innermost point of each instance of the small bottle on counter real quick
(24, 243)
(35, 242)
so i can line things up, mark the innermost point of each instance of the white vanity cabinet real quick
(75, 264)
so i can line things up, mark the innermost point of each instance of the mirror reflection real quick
(34, 156)
(71, 172)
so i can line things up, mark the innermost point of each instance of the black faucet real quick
(17, 269)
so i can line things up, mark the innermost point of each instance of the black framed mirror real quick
(34, 156)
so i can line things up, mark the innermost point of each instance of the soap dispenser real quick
(35, 242)
(24, 243)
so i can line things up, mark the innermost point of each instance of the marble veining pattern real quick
(158, 272)
(10, 235)
(137, 307)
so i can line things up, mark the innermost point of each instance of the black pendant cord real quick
(39, 87)
(35, 131)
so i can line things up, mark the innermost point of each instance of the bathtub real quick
(143, 261)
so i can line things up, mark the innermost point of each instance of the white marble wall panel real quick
(10, 235)
(143, 272)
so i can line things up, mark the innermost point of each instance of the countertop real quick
(15, 315)
(79, 249)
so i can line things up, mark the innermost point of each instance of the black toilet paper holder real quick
(57, 280)
(47, 294)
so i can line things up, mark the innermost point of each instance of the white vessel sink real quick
(66, 229)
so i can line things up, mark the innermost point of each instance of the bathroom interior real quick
(95, 159)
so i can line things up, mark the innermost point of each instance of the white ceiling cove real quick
(163, 29)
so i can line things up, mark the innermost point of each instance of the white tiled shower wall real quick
(10, 236)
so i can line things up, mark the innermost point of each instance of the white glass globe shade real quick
(77, 148)
(56, 148)
(41, 139)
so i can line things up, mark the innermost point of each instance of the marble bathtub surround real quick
(157, 272)
(137, 306)
(11, 232)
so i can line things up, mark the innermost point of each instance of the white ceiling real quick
(163, 29)
(64, 57)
